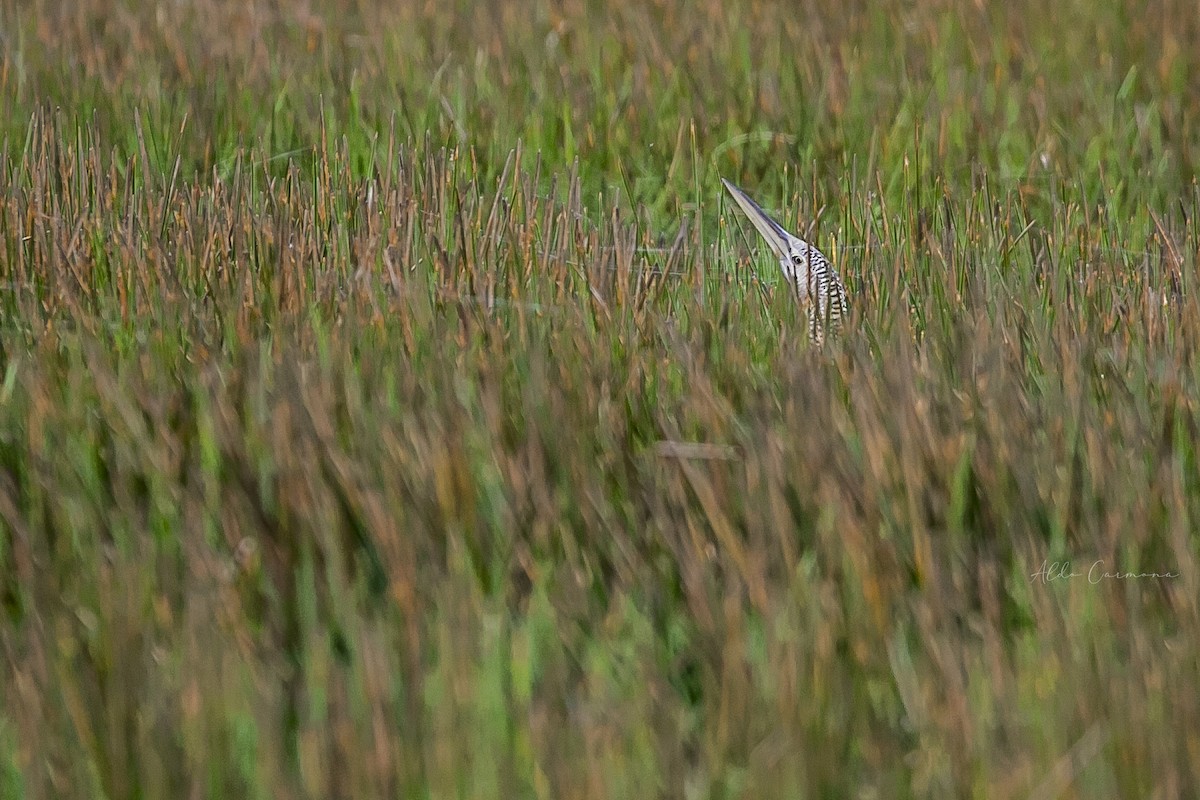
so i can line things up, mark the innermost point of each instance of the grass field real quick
(392, 405)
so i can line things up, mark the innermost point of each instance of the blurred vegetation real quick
(392, 406)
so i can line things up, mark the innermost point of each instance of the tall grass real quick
(391, 404)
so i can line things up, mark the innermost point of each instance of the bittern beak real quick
(771, 230)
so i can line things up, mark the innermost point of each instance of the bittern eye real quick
(798, 260)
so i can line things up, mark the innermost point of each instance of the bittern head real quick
(794, 253)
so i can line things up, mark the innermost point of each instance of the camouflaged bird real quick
(817, 286)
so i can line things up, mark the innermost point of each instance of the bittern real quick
(817, 286)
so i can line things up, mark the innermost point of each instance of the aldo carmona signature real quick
(1051, 571)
